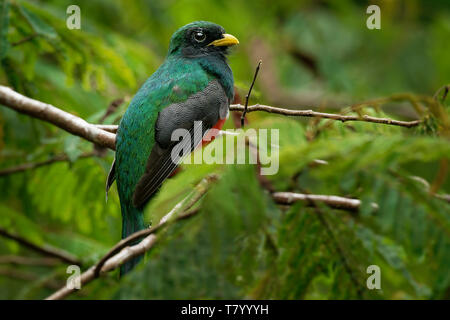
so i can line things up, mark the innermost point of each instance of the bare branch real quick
(26, 276)
(58, 117)
(45, 250)
(335, 202)
(103, 135)
(112, 108)
(115, 258)
(142, 233)
(247, 97)
(33, 165)
(122, 252)
(445, 197)
(445, 88)
(303, 113)
(107, 127)
(26, 39)
(314, 114)
(29, 261)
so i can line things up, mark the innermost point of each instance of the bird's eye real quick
(199, 36)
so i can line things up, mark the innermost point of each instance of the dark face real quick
(202, 38)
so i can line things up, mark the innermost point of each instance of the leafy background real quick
(316, 54)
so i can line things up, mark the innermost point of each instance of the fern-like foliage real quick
(240, 244)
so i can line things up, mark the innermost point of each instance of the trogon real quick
(195, 83)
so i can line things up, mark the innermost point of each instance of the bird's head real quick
(201, 38)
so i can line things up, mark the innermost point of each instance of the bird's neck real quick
(217, 66)
(214, 64)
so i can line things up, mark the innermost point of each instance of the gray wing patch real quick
(207, 106)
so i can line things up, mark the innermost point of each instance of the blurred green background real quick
(316, 55)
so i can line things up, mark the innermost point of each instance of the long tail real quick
(132, 221)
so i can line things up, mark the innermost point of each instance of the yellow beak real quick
(227, 40)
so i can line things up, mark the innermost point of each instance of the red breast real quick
(211, 134)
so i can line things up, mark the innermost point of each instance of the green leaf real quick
(38, 25)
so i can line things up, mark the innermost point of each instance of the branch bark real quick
(104, 135)
(29, 261)
(25, 276)
(58, 117)
(138, 235)
(334, 202)
(107, 127)
(122, 253)
(314, 114)
(45, 250)
(26, 39)
(33, 165)
(303, 113)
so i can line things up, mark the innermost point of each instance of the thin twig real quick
(302, 113)
(311, 113)
(34, 165)
(45, 250)
(103, 135)
(111, 108)
(446, 88)
(335, 202)
(426, 186)
(247, 97)
(26, 276)
(26, 39)
(122, 252)
(29, 261)
(116, 261)
(139, 235)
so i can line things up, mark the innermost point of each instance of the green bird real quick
(195, 83)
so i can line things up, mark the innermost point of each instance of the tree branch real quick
(107, 127)
(29, 261)
(33, 165)
(303, 113)
(58, 117)
(45, 250)
(122, 253)
(333, 116)
(26, 39)
(25, 276)
(334, 202)
(247, 97)
(103, 135)
(142, 233)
